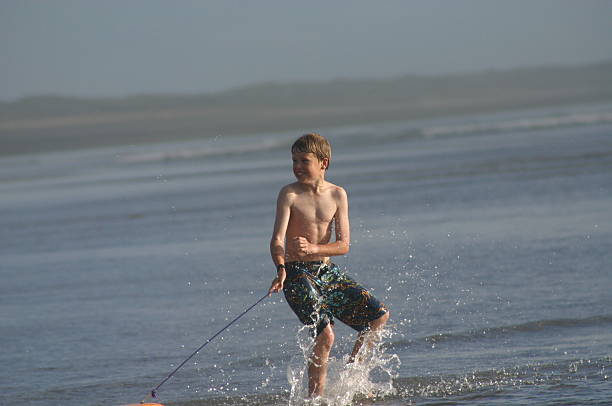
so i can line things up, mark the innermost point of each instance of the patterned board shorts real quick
(317, 292)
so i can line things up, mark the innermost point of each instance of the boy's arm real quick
(343, 234)
(277, 243)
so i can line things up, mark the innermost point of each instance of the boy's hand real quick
(303, 247)
(277, 283)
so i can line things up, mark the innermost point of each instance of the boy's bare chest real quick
(314, 209)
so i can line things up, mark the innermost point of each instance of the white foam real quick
(521, 124)
(193, 150)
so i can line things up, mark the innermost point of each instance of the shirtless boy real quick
(307, 213)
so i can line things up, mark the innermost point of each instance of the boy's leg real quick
(305, 300)
(317, 368)
(371, 335)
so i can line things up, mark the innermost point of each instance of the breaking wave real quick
(531, 123)
(376, 133)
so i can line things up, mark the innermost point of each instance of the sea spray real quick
(371, 375)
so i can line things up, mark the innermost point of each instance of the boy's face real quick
(306, 166)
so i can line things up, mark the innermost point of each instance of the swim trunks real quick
(317, 292)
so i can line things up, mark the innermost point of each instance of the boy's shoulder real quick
(291, 187)
(336, 190)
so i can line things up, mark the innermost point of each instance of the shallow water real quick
(488, 236)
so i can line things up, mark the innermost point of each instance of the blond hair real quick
(314, 143)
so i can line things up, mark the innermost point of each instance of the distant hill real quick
(52, 122)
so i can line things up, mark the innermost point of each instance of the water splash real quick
(370, 376)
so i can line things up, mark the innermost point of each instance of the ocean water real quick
(488, 236)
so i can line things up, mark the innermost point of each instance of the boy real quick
(317, 290)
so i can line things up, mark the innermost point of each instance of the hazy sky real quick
(119, 47)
